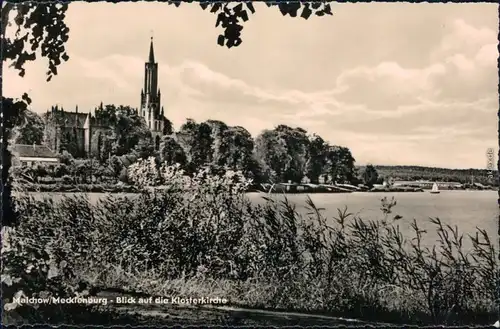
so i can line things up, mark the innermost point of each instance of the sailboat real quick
(435, 189)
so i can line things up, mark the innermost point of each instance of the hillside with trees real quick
(412, 173)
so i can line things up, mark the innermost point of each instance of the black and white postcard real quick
(249, 164)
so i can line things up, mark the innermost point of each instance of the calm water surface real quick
(466, 209)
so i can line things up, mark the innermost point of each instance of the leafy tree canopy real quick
(30, 131)
(370, 176)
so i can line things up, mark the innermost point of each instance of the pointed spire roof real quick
(86, 125)
(151, 52)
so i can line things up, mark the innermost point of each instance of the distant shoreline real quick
(280, 188)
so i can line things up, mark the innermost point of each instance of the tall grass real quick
(200, 236)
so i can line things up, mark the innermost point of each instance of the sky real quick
(397, 83)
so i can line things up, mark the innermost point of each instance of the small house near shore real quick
(29, 155)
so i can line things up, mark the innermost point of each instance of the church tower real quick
(151, 109)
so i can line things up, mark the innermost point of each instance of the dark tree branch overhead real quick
(40, 25)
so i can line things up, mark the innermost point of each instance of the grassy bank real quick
(79, 188)
(200, 236)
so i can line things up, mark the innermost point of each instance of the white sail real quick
(435, 188)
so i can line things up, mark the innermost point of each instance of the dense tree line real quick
(282, 154)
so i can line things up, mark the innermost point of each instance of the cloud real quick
(464, 37)
(102, 71)
(387, 85)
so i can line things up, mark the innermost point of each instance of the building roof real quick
(74, 119)
(69, 119)
(151, 52)
(33, 151)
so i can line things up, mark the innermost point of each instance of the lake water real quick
(466, 209)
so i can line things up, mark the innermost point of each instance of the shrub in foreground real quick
(202, 231)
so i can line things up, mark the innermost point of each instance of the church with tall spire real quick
(80, 133)
(151, 109)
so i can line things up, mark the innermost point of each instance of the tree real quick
(145, 147)
(340, 164)
(370, 176)
(45, 30)
(197, 140)
(316, 160)
(128, 132)
(297, 144)
(116, 165)
(12, 112)
(272, 155)
(218, 129)
(185, 136)
(236, 151)
(168, 127)
(106, 114)
(231, 15)
(30, 130)
(202, 151)
(171, 152)
(69, 142)
(108, 145)
(131, 129)
(282, 152)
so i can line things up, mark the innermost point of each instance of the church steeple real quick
(151, 52)
(151, 75)
(150, 108)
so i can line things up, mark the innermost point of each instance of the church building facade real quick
(79, 133)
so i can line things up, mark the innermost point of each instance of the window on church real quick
(157, 142)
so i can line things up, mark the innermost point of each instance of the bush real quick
(61, 170)
(67, 179)
(38, 260)
(202, 227)
(123, 176)
(66, 158)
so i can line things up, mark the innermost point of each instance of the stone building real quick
(80, 133)
(64, 130)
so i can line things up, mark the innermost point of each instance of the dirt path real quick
(169, 314)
